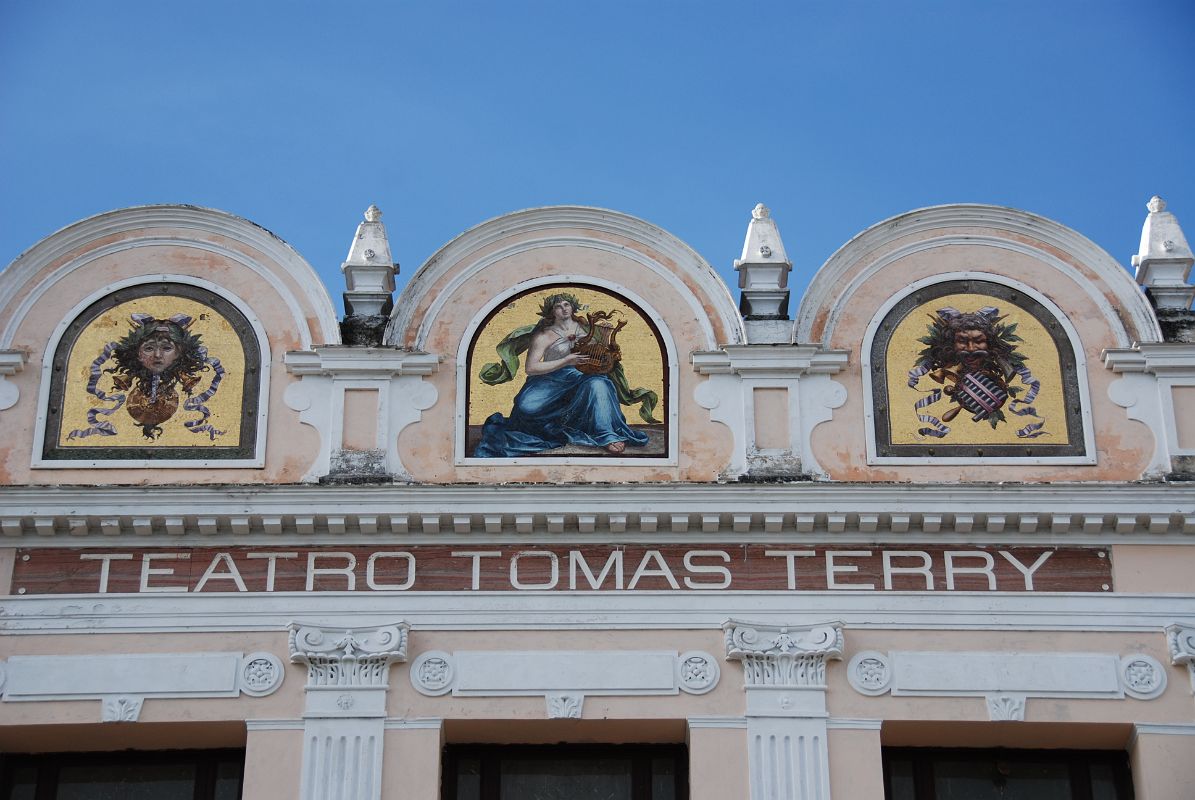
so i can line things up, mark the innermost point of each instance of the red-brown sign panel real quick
(478, 567)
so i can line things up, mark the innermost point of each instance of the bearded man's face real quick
(971, 347)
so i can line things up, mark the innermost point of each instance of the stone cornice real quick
(90, 614)
(1103, 514)
(1159, 358)
(770, 360)
(360, 362)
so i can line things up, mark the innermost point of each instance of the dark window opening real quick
(128, 775)
(922, 773)
(566, 772)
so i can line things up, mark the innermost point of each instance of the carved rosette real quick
(355, 657)
(783, 655)
(261, 674)
(870, 672)
(1142, 676)
(433, 673)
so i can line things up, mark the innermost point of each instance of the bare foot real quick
(616, 447)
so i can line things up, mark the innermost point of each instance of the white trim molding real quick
(87, 615)
(1041, 514)
(1006, 680)
(830, 291)
(459, 261)
(174, 225)
(123, 682)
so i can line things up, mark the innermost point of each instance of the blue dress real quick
(561, 407)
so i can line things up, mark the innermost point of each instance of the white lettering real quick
(105, 560)
(986, 569)
(271, 569)
(791, 557)
(514, 570)
(210, 574)
(1027, 572)
(476, 555)
(382, 587)
(613, 563)
(146, 571)
(924, 569)
(662, 571)
(711, 569)
(833, 569)
(346, 570)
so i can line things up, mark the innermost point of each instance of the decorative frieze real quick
(123, 682)
(564, 678)
(1007, 680)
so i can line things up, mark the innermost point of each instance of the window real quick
(565, 772)
(941, 774)
(165, 775)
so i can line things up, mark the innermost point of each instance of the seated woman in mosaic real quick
(559, 404)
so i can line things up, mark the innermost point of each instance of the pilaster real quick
(395, 376)
(798, 377)
(1158, 389)
(348, 674)
(784, 669)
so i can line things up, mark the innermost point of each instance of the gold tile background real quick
(216, 334)
(1041, 357)
(642, 359)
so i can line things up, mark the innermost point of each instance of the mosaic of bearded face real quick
(972, 368)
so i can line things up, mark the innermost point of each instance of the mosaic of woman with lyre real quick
(572, 395)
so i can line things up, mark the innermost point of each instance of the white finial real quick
(1164, 259)
(368, 270)
(763, 278)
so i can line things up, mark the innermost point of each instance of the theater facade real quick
(566, 519)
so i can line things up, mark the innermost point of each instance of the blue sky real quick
(298, 115)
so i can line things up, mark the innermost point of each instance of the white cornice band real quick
(555, 610)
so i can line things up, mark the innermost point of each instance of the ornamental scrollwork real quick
(783, 655)
(348, 657)
(564, 706)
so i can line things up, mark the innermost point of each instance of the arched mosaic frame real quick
(1072, 437)
(664, 445)
(245, 448)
